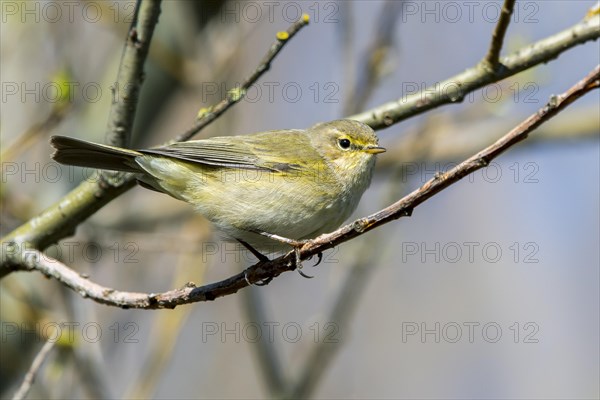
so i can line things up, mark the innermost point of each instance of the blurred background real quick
(490, 289)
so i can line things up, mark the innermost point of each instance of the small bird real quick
(266, 190)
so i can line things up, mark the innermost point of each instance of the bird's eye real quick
(344, 144)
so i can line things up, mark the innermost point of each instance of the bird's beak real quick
(374, 149)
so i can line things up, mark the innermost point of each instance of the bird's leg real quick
(261, 257)
(256, 253)
(291, 242)
(296, 244)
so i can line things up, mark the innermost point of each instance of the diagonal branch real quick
(33, 370)
(455, 89)
(492, 58)
(33, 259)
(234, 96)
(371, 66)
(269, 358)
(323, 352)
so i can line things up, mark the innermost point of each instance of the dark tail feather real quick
(86, 154)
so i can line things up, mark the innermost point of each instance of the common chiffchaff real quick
(292, 183)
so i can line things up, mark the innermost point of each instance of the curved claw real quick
(264, 282)
(304, 275)
(320, 258)
(298, 262)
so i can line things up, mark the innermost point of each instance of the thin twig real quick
(372, 64)
(29, 137)
(323, 352)
(268, 355)
(492, 58)
(234, 96)
(455, 89)
(33, 370)
(167, 328)
(33, 259)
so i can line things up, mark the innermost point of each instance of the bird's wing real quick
(271, 151)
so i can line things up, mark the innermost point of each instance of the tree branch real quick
(322, 353)
(492, 59)
(131, 72)
(235, 95)
(371, 66)
(33, 259)
(33, 370)
(269, 358)
(455, 89)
